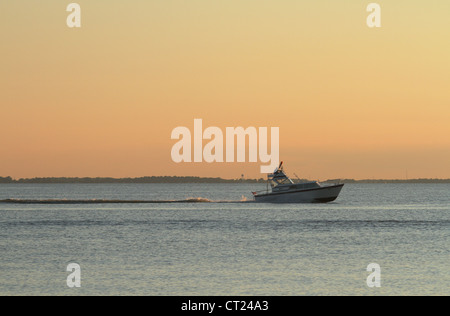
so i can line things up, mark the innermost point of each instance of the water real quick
(217, 248)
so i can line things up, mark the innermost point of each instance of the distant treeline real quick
(390, 181)
(167, 179)
(130, 180)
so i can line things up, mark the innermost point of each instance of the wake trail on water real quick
(118, 201)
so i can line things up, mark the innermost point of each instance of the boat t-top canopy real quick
(279, 177)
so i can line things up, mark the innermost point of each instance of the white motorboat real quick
(284, 190)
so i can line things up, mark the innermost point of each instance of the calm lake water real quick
(219, 248)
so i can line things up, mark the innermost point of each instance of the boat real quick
(284, 190)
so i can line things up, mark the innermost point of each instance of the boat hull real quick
(316, 195)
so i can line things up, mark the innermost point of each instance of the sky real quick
(102, 100)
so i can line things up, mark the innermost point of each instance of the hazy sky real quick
(102, 100)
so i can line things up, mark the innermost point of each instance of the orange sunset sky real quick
(101, 100)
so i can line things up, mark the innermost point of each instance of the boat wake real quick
(109, 201)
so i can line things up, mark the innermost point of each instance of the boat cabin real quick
(280, 182)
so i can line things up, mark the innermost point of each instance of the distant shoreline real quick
(174, 179)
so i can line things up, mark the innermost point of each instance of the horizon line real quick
(190, 179)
